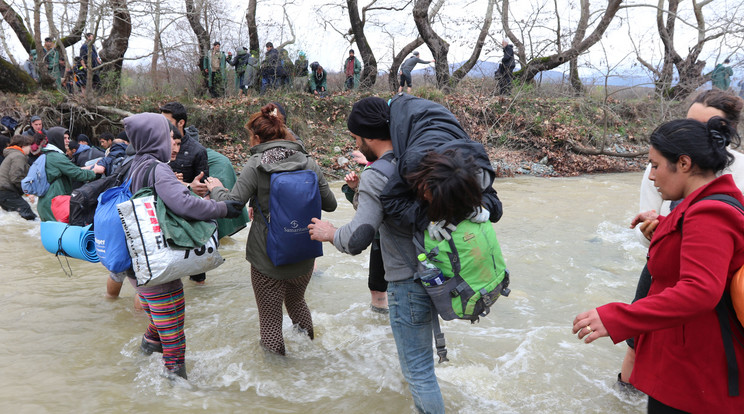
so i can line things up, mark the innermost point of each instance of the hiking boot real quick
(148, 347)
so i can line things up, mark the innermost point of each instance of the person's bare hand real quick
(358, 157)
(648, 227)
(352, 180)
(321, 230)
(642, 217)
(199, 187)
(179, 177)
(589, 326)
(213, 182)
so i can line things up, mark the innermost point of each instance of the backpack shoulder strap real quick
(384, 165)
(725, 312)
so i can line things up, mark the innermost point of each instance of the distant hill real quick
(487, 69)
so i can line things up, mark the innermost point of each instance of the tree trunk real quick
(14, 79)
(115, 46)
(15, 21)
(250, 19)
(155, 48)
(202, 37)
(438, 47)
(408, 49)
(468, 65)
(579, 44)
(369, 72)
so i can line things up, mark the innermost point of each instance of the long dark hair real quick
(705, 144)
(451, 179)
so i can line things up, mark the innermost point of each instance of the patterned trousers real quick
(271, 294)
(167, 315)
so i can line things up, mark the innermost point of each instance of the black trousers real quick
(376, 280)
(12, 201)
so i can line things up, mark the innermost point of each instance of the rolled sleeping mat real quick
(73, 241)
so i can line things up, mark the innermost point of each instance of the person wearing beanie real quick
(407, 67)
(36, 126)
(369, 124)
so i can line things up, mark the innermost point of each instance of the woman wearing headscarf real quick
(149, 135)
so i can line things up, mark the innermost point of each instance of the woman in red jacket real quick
(680, 361)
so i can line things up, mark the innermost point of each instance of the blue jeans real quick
(411, 311)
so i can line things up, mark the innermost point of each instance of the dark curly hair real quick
(447, 184)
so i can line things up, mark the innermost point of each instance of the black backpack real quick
(84, 200)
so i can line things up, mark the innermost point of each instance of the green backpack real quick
(474, 268)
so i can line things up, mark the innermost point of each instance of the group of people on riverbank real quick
(275, 71)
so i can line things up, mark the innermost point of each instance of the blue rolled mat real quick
(73, 241)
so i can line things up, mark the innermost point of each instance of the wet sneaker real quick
(148, 347)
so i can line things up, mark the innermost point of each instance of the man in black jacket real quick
(192, 162)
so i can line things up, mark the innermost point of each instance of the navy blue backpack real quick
(294, 199)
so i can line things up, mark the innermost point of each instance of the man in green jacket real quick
(721, 76)
(61, 172)
(214, 65)
(352, 69)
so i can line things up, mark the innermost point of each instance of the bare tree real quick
(202, 37)
(438, 47)
(31, 40)
(369, 72)
(116, 45)
(468, 65)
(579, 44)
(689, 68)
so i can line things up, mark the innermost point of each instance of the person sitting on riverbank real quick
(705, 106)
(681, 362)
(13, 169)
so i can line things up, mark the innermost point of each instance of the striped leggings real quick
(167, 314)
(271, 294)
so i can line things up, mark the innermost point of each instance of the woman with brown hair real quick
(273, 150)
